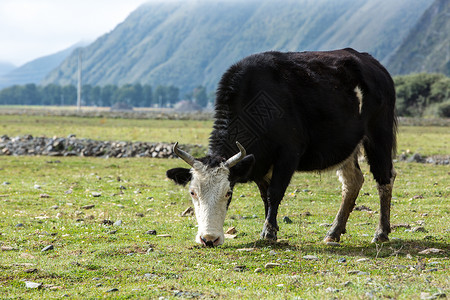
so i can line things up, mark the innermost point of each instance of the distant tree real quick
(51, 94)
(86, 95)
(200, 97)
(69, 95)
(414, 92)
(189, 96)
(95, 96)
(31, 95)
(160, 96)
(107, 94)
(137, 95)
(173, 94)
(147, 96)
(125, 94)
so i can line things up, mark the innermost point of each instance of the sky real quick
(30, 29)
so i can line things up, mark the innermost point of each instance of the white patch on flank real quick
(359, 95)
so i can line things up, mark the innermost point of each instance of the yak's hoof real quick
(380, 238)
(331, 239)
(269, 232)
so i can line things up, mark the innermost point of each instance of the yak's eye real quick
(193, 194)
(228, 195)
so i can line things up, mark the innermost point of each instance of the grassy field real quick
(48, 201)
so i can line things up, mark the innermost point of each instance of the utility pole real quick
(79, 82)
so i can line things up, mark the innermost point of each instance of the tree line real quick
(133, 95)
(423, 95)
(418, 95)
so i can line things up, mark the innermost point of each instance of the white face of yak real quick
(211, 189)
(211, 194)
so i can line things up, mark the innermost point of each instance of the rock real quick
(306, 214)
(239, 268)
(245, 249)
(416, 157)
(347, 283)
(419, 229)
(117, 223)
(47, 248)
(54, 207)
(440, 295)
(6, 183)
(287, 220)
(141, 215)
(258, 270)
(333, 244)
(32, 285)
(112, 232)
(362, 259)
(151, 232)
(88, 206)
(7, 248)
(187, 212)
(331, 290)
(107, 222)
(164, 235)
(342, 260)
(272, 252)
(149, 250)
(112, 290)
(33, 270)
(310, 257)
(362, 208)
(37, 186)
(431, 251)
(401, 225)
(360, 273)
(44, 196)
(230, 236)
(96, 194)
(19, 225)
(272, 265)
(231, 230)
(325, 225)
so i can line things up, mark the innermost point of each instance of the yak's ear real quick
(179, 175)
(241, 171)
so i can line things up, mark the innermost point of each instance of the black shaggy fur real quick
(298, 111)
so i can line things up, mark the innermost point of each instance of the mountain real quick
(427, 46)
(188, 43)
(6, 67)
(36, 70)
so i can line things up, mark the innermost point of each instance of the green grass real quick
(136, 191)
(183, 131)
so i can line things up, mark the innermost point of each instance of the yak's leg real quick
(263, 186)
(384, 226)
(282, 174)
(379, 148)
(351, 177)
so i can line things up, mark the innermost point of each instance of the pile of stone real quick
(72, 146)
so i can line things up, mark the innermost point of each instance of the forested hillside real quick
(427, 47)
(187, 44)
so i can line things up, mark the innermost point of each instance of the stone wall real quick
(72, 146)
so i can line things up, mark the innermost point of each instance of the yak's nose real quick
(209, 240)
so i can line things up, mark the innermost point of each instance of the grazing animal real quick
(296, 111)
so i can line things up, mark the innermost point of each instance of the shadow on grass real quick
(367, 249)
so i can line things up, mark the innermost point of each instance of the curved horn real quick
(232, 161)
(184, 155)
